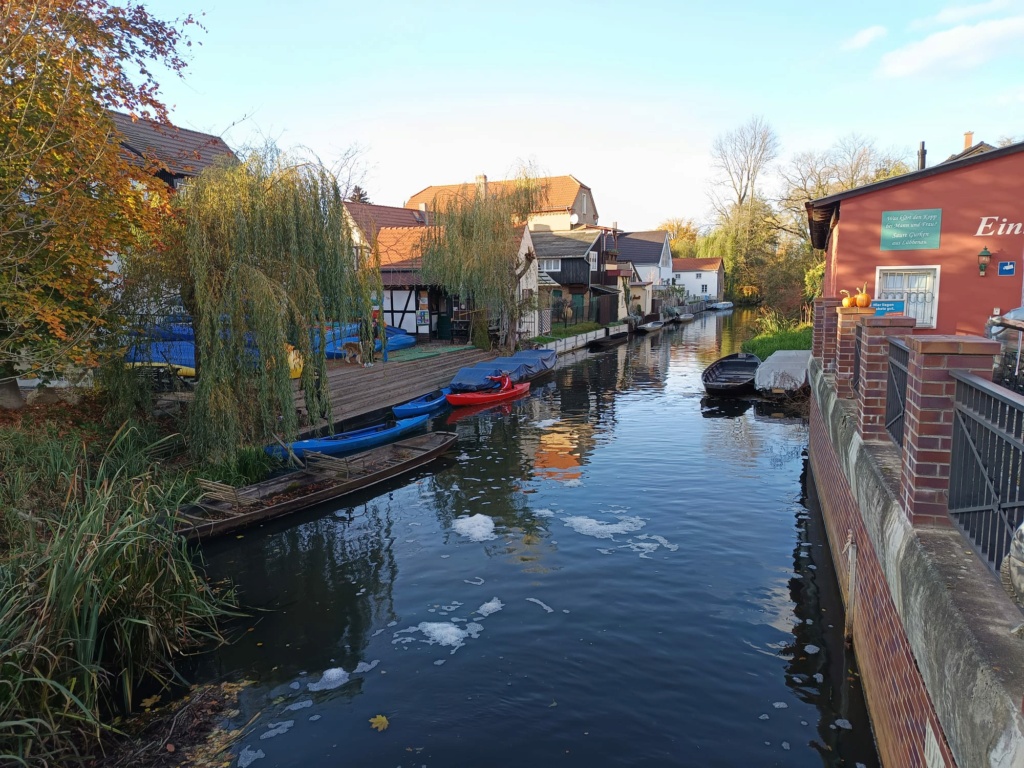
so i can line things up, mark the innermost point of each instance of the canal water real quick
(614, 571)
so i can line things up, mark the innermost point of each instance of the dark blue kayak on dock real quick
(428, 403)
(356, 440)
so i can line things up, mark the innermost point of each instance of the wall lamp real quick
(983, 259)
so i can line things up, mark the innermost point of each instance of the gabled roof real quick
(558, 193)
(371, 218)
(974, 149)
(563, 245)
(820, 212)
(178, 151)
(400, 247)
(696, 265)
(642, 247)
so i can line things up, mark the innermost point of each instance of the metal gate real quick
(896, 390)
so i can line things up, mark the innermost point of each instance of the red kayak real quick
(507, 391)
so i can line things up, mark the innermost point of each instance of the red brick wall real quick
(848, 318)
(896, 695)
(874, 372)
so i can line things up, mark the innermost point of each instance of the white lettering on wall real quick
(987, 226)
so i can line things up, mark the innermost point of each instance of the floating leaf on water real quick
(379, 723)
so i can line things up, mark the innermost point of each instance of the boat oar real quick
(292, 458)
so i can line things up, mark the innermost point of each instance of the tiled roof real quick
(370, 218)
(179, 151)
(971, 151)
(642, 247)
(558, 193)
(696, 265)
(563, 245)
(400, 247)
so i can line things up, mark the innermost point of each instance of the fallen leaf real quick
(151, 700)
(170, 747)
(379, 722)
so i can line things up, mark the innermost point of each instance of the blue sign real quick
(1007, 268)
(888, 307)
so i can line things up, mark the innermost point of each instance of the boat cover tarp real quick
(784, 370)
(182, 353)
(474, 379)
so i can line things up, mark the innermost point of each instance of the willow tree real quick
(268, 262)
(472, 250)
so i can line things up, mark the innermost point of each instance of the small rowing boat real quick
(507, 391)
(350, 442)
(223, 509)
(731, 375)
(428, 403)
(651, 327)
(607, 342)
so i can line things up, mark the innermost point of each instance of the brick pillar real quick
(928, 421)
(874, 371)
(823, 339)
(847, 319)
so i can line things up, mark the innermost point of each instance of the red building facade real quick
(915, 240)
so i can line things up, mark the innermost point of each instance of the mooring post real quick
(851, 586)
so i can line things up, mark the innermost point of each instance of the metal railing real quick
(858, 333)
(986, 470)
(896, 390)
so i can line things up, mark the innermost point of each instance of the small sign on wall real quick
(888, 307)
(911, 230)
(1007, 268)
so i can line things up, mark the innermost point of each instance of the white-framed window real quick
(917, 287)
(592, 258)
(550, 265)
(584, 203)
(698, 275)
(704, 288)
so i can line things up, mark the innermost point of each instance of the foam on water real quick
(276, 729)
(544, 512)
(574, 483)
(331, 679)
(545, 423)
(476, 582)
(588, 526)
(362, 667)
(476, 528)
(248, 756)
(491, 606)
(547, 608)
(443, 633)
(299, 705)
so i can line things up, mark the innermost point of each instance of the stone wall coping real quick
(949, 344)
(855, 310)
(889, 321)
(961, 625)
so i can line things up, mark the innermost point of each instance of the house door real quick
(577, 307)
(444, 319)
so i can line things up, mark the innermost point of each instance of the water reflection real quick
(642, 597)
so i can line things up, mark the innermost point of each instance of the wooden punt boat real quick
(731, 375)
(686, 317)
(427, 403)
(487, 396)
(608, 342)
(222, 509)
(651, 327)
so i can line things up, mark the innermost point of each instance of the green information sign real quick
(911, 230)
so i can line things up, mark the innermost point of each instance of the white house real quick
(704, 278)
(649, 254)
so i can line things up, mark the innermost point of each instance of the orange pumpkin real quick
(863, 299)
(848, 300)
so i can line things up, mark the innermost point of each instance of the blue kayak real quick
(356, 440)
(428, 403)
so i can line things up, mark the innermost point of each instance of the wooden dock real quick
(357, 391)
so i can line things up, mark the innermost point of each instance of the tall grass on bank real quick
(96, 591)
(774, 331)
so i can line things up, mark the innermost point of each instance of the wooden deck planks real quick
(357, 391)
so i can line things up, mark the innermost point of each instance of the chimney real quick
(425, 212)
(481, 185)
(922, 153)
(968, 139)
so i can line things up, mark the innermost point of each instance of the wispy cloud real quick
(864, 38)
(957, 49)
(957, 14)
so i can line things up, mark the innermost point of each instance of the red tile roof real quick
(371, 218)
(178, 151)
(558, 193)
(399, 247)
(696, 265)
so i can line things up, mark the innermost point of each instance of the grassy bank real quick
(97, 594)
(764, 344)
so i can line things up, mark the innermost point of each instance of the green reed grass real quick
(96, 591)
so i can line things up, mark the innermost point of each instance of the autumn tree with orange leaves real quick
(70, 204)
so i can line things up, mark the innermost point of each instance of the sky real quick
(628, 97)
